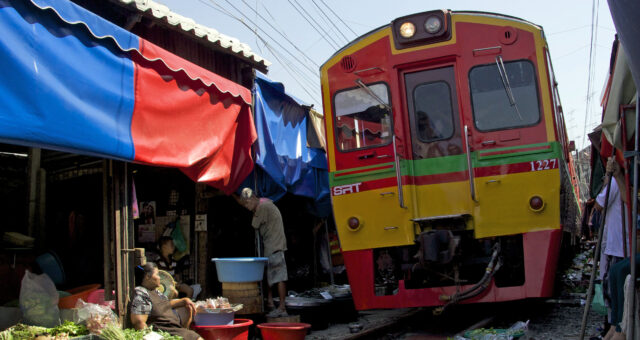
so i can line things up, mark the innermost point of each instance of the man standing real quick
(267, 219)
(613, 242)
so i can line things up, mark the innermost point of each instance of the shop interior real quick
(59, 201)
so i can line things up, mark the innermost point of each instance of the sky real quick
(297, 37)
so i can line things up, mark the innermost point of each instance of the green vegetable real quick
(70, 328)
(22, 332)
(6, 335)
(112, 332)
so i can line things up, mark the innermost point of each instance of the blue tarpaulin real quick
(285, 162)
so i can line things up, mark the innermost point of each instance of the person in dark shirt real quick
(165, 261)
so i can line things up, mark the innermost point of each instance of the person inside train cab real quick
(426, 128)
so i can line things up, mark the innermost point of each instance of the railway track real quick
(547, 320)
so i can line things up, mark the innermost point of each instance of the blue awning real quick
(285, 162)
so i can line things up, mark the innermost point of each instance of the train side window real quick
(492, 109)
(433, 112)
(361, 121)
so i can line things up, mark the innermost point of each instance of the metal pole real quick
(596, 256)
(326, 233)
(634, 231)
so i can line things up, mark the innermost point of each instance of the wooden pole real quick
(34, 166)
(106, 228)
(633, 223)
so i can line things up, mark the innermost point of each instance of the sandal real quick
(277, 313)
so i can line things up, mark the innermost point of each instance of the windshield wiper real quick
(372, 94)
(505, 83)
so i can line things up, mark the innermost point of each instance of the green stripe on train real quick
(447, 164)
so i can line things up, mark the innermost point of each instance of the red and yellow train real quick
(449, 163)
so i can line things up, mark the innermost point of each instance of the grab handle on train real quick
(367, 155)
(469, 165)
(398, 175)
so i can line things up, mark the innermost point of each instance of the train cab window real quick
(499, 104)
(433, 111)
(362, 121)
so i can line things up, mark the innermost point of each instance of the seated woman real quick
(165, 261)
(149, 307)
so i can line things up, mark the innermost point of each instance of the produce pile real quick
(114, 332)
(217, 305)
(70, 330)
(517, 330)
(96, 317)
(62, 332)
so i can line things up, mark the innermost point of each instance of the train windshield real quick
(492, 109)
(361, 120)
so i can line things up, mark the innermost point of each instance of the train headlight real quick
(353, 223)
(407, 29)
(433, 24)
(536, 203)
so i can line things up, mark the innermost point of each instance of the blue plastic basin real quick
(240, 269)
(52, 266)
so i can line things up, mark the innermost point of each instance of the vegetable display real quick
(24, 332)
(114, 332)
(69, 330)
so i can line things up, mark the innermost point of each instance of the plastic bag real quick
(94, 317)
(597, 304)
(39, 300)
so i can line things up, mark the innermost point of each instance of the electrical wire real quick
(594, 34)
(282, 35)
(270, 48)
(315, 26)
(330, 21)
(339, 18)
(326, 24)
(284, 66)
(312, 71)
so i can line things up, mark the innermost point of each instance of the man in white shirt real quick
(613, 247)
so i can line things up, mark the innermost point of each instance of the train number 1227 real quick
(545, 164)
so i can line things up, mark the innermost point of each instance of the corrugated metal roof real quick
(163, 12)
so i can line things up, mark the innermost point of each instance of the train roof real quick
(464, 12)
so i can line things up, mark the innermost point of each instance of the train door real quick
(439, 163)
(365, 182)
(508, 138)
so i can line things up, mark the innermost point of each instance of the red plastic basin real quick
(284, 330)
(238, 331)
(81, 292)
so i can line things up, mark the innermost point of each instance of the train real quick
(450, 167)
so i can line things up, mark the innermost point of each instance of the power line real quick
(330, 21)
(569, 30)
(284, 66)
(282, 35)
(570, 53)
(256, 30)
(326, 24)
(313, 72)
(339, 18)
(315, 26)
(594, 36)
(267, 45)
